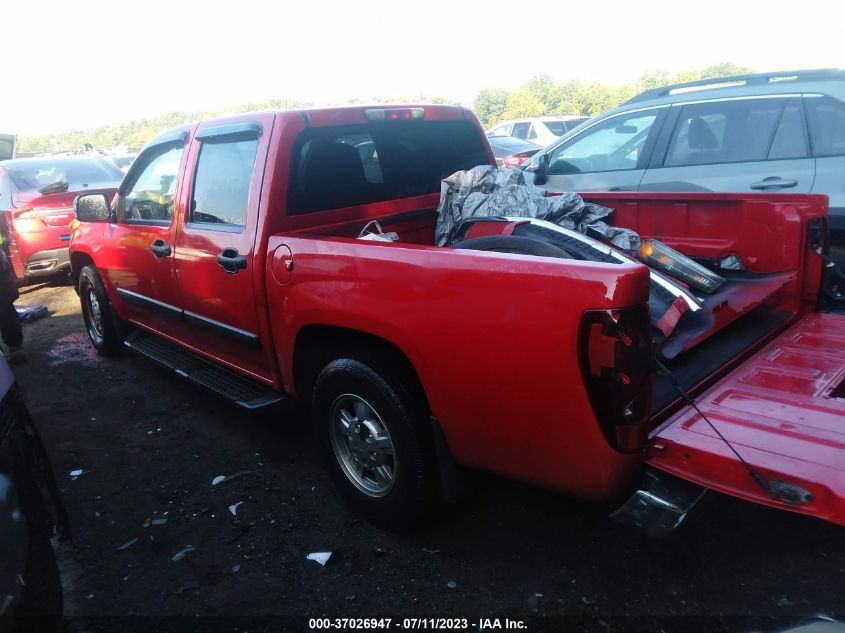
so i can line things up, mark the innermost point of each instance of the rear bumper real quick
(47, 262)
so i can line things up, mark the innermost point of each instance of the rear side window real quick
(724, 132)
(827, 125)
(791, 136)
(222, 181)
(7, 147)
(337, 167)
(520, 130)
(558, 128)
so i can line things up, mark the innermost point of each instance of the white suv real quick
(770, 132)
(540, 130)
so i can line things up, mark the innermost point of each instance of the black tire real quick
(514, 244)
(408, 500)
(837, 254)
(106, 330)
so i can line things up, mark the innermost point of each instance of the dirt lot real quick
(150, 444)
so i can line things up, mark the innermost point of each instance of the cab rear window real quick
(339, 167)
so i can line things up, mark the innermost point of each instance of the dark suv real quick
(782, 131)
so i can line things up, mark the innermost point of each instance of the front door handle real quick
(774, 182)
(231, 261)
(160, 249)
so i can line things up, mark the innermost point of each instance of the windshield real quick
(35, 174)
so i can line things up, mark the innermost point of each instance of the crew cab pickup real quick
(232, 253)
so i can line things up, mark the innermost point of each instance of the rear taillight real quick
(615, 354)
(26, 214)
(515, 161)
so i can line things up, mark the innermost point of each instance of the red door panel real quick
(783, 410)
(218, 296)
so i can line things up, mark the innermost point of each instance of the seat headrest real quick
(333, 165)
(700, 136)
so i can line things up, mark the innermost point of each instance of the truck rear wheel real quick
(375, 443)
(104, 327)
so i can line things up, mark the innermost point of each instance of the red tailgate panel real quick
(784, 412)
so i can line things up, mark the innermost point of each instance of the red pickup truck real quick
(231, 254)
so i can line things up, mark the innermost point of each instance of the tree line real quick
(540, 95)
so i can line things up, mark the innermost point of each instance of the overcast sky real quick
(89, 62)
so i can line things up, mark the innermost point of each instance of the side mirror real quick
(92, 207)
(541, 173)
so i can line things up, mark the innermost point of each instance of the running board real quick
(242, 391)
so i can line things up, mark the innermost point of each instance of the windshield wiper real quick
(55, 187)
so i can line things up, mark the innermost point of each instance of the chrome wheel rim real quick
(95, 315)
(362, 445)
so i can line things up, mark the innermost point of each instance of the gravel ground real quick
(153, 536)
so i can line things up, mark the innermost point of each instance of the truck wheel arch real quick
(78, 260)
(317, 345)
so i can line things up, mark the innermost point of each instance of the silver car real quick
(770, 132)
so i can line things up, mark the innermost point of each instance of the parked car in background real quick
(512, 152)
(8, 146)
(36, 197)
(540, 130)
(770, 132)
(31, 512)
(122, 162)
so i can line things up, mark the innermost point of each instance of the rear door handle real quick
(622, 189)
(231, 261)
(160, 249)
(774, 182)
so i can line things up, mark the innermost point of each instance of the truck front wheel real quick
(104, 327)
(375, 443)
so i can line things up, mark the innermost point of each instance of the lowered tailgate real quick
(783, 410)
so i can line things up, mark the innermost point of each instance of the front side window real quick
(222, 181)
(151, 197)
(612, 145)
(724, 132)
(827, 126)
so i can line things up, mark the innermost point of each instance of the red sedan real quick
(36, 199)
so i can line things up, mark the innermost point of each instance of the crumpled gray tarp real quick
(487, 191)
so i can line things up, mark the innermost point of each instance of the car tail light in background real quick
(394, 114)
(679, 266)
(49, 216)
(615, 356)
(26, 213)
(516, 160)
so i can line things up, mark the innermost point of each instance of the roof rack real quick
(753, 78)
